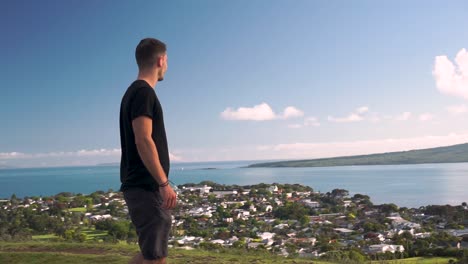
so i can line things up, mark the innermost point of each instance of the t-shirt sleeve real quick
(143, 103)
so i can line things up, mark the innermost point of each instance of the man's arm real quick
(143, 128)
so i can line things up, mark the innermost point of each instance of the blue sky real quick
(246, 79)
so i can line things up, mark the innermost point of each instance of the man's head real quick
(151, 57)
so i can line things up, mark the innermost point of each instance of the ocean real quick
(404, 185)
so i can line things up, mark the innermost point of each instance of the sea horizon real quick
(173, 163)
(404, 185)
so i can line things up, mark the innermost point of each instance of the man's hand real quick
(169, 197)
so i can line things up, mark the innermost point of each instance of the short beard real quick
(161, 76)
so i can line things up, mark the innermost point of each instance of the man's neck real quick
(151, 79)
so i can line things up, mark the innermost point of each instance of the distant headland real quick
(449, 154)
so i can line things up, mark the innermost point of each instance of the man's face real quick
(163, 68)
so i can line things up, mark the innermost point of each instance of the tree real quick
(78, 201)
(388, 208)
(211, 198)
(14, 200)
(119, 229)
(76, 218)
(357, 256)
(304, 220)
(339, 193)
(291, 248)
(114, 208)
(290, 210)
(239, 244)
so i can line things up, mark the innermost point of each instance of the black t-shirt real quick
(140, 100)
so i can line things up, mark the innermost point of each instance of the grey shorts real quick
(152, 223)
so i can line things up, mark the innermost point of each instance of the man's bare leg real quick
(156, 261)
(137, 259)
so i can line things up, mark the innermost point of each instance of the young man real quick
(144, 166)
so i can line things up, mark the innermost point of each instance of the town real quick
(285, 219)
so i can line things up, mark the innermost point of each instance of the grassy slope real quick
(52, 252)
(92, 235)
(77, 253)
(450, 154)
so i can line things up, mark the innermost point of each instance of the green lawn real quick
(418, 261)
(93, 234)
(47, 237)
(77, 209)
(59, 258)
(77, 253)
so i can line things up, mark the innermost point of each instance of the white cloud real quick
(403, 117)
(457, 109)
(261, 112)
(350, 118)
(295, 125)
(174, 157)
(257, 113)
(356, 116)
(79, 153)
(11, 155)
(310, 121)
(426, 117)
(66, 158)
(311, 150)
(452, 79)
(302, 150)
(374, 117)
(291, 112)
(362, 110)
(98, 152)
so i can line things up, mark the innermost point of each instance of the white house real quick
(242, 214)
(100, 217)
(273, 188)
(310, 203)
(189, 240)
(220, 194)
(203, 189)
(246, 191)
(266, 235)
(422, 235)
(343, 231)
(218, 241)
(281, 226)
(382, 248)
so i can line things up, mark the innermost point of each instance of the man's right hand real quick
(169, 197)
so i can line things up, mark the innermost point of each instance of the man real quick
(144, 167)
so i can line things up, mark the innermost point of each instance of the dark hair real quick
(148, 51)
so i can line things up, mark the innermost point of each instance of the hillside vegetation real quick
(450, 154)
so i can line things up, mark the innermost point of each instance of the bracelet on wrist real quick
(164, 184)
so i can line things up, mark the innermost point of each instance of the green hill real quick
(449, 154)
(81, 253)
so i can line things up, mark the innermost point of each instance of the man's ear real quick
(160, 61)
